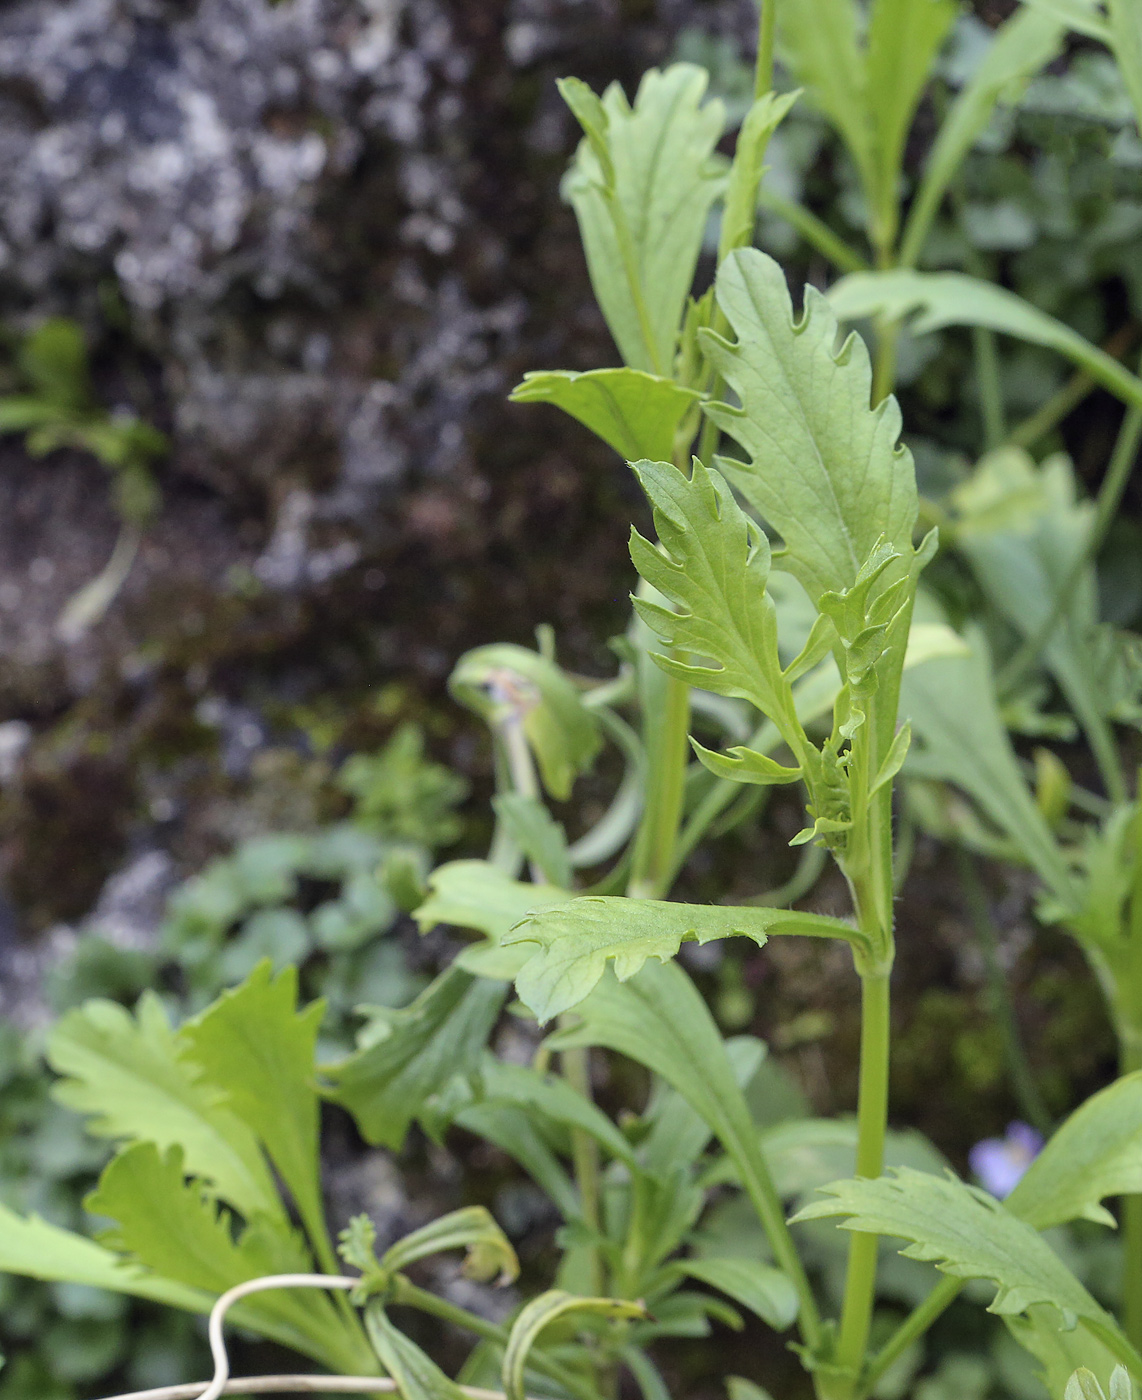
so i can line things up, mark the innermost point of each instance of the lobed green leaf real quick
(580, 937)
(136, 1079)
(407, 1056)
(825, 470)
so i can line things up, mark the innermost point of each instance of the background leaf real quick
(759, 1287)
(411, 1054)
(820, 46)
(938, 299)
(1023, 45)
(903, 39)
(1095, 1153)
(959, 737)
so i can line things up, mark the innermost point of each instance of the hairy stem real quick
(872, 1116)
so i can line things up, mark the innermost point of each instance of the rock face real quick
(316, 243)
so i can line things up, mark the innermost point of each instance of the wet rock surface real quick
(315, 243)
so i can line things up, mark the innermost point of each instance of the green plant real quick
(55, 406)
(799, 663)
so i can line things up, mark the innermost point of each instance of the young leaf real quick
(903, 39)
(745, 765)
(967, 1234)
(1096, 1153)
(356, 1244)
(960, 739)
(166, 1223)
(504, 680)
(258, 1048)
(537, 833)
(489, 1254)
(634, 412)
(409, 1055)
(134, 1074)
(578, 938)
(1026, 42)
(893, 759)
(739, 217)
(642, 185)
(474, 894)
(939, 299)
(759, 1287)
(713, 566)
(31, 1248)
(824, 469)
(416, 1375)
(541, 1312)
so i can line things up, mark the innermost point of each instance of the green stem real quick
(668, 751)
(575, 1066)
(910, 1330)
(884, 360)
(1027, 1094)
(814, 231)
(872, 1116)
(1056, 408)
(766, 34)
(409, 1295)
(990, 387)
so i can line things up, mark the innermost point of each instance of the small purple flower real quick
(1000, 1162)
